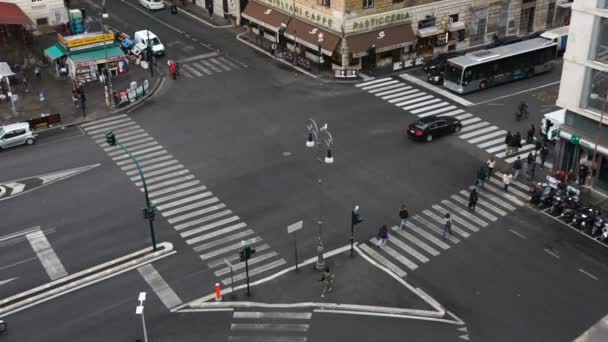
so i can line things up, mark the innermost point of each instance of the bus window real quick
(453, 73)
(468, 76)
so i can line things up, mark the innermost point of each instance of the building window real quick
(42, 21)
(596, 91)
(601, 50)
(479, 21)
(453, 18)
(604, 4)
(36, 0)
(400, 1)
(326, 3)
(368, 3)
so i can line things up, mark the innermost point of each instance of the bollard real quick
(218, 292)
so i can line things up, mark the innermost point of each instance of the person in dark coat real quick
(517, 166)
(508, 141)
(544, 152)
(473, 197)
(516, 142)
(382, 236)
(481, 177)
(529, 161)
(530, 136)
(583, 172)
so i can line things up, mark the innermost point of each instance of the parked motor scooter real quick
(546, 197)
(535, 192)
(571, 208)
(560, 201)
(604, 237)
(582, 216)
(598, 225)
(587, 224)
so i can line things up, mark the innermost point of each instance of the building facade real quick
(376, 33)
(43, 12)
(583, 139)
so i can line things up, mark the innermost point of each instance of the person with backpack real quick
(517, 166)
(403, 215)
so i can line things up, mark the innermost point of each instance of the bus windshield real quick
(453, 73)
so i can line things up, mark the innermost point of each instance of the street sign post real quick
(293, 228)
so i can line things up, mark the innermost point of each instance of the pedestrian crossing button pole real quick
(231, 275)
(246, 252)
(354, 220)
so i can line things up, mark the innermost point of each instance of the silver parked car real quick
(16, 134)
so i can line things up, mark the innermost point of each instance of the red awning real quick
(11, 14)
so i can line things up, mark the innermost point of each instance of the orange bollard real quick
(218, 292)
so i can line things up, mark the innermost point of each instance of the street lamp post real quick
(108, 85)
(139, 310)
(320, 137)
(149, 212)
(598, 134)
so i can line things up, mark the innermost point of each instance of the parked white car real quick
(152, 4)
(16, 134)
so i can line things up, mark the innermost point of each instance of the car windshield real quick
(153, 42)
(453, 73)
(1, 131)
(421, 125)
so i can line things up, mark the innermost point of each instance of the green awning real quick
(54, 52)
(110, 53)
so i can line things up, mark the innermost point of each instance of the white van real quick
(144, 37)
(556, 118)
(152, 4)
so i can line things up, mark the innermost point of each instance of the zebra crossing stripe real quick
(169, 182)
(205, 218)
(464, 116)
(179, 194)
(413, 94)
(163, 177)
(252, 261)
(485, 204)
(211, 66)
(102, 126)
(380, 85)
(106, 147)
(401, 87)
(501, 193)
(492, 142)
(475, 126)
(487, 136)
(223, 230)
(493, 198)
(215, 243)
(234, 258)
(404, 103)
(174, 188)
(359, 85)
(436, 111)
(437, 105)
(439, 220)
(163, 166)
(136, 153)
(402, 93)
(184, 200)
(255, 271)
(113, 126)
(409, 250)
(382, 260)
(131, 141)
(199, 66)
(134, 148)
(158, 172)
(207, 227)
(452, 113)
(427, 236)
(196, 205)
(421, 244)
(434, 228)
(479, 211)
(388, 87)
(511, 189)
(399, 257)
(456, 218)
(421, 104)
(522, 149)
(219, 64)
(497, 148)
(227, 61)
(194, 214)
(271, 315)
(121, 132)
(97, 122)
(191, 71)
(470, 121)
(462, 212)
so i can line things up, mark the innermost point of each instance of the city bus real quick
(486, 68)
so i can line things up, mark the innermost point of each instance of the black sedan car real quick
(433, 126)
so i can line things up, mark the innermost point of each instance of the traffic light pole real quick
(247, 275)
(352, 238)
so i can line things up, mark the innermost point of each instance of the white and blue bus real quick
(487, 68)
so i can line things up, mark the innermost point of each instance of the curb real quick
(86, 278)
(195, 17)
(204, 304)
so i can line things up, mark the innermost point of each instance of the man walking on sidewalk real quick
(544, 152)
(517, 166)
(473, 197)
(403, 215)
(328, 281)
(447, 227)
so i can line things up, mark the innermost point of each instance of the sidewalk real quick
(199, 12)
(359, 286)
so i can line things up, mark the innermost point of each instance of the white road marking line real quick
(127, 142)
(191, 70)
(463, 116)
(588, 274)
(254, 271)
(268, 338)
(518, 234)
(469, 121)
(45, 253)
(163, 177)
(378, 85)
(431, 226)
(219, 64)
(147, 168)
(400, 88)
(452, 113)
(478, 132)
(184, 200)
(524, 196)
(462, 212)
(488, 136)
(437, 90)
(492, 142)
(493, 198)
(136, 153)
(143, 163)
(97, 122)
(428, 108)
(418, 99)
(388, 87)
(436, 111)
(439, 221)
(497, 148)
(426, 235)
(203, 203)
(204, 218)
(412, 94)
(360, 85)
(207, 227)
(105, 124)
(180, 194)
(479, 211)
(197, 57)
(133, 148)
(228, 62)
(401, 93)
(174, 188)
(501, 193)
(208, 245)
(409, 250)
(164, 292)
(271, 315)
(456, 218)
(120, 133)
(421, 104)
(255, 260)
(523, 148)
(396, 255)
(234, 258)
(485, 203)
(552, 253)
(211, 66)
(194, 214)
(169, 182)
(517, 93)
(202, 68)
(222, 231)
(382, 260)
(416, 241)
(113, 126)
(475, 126)
(159, 172)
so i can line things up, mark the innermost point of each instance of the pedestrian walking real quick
(473, 197)
(508, 142)
(447, 227)
(538, 146)
(530, 135)
(517, 166)
(583, 172)
(544, 152)
(37, 72)
(403, 215)
(382, 236)
(481, 177)
(516, 142)
(490, 165)
(507, 177)
(328, 281)
(75, 101)
(173, 69)
(83, 103)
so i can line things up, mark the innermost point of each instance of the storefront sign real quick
(303, 12)
(576, 140)
(100, 61)
(388, 19)
(71, 42)
(403, 64)
(345, 73)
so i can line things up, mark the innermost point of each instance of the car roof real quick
(145, 33)
(17, 125)
(433, 118)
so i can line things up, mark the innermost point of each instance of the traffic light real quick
(355, 219)
(246, 253)
(149, 213)
(111, 138)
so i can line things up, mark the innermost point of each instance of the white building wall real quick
(53, 10)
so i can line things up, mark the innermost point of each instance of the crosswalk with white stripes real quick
(422, 239)
(205, 65)
(256, 326)
(419, 102)
(205, 223)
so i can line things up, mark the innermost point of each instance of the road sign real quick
(294, 227)
(20, 186)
